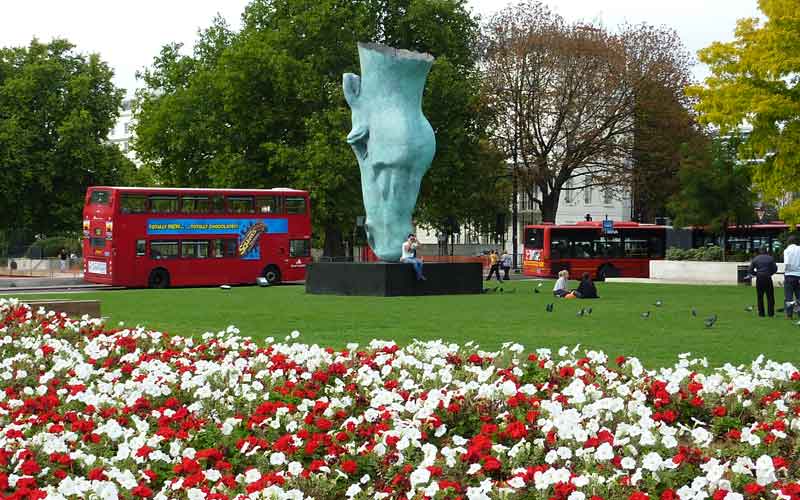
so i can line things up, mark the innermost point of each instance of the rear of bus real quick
(536, 252)
(98, 232)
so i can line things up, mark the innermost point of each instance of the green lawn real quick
(616, 325)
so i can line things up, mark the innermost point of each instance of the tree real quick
(660, 67)
(264, 106)
(754, 82)
(715, 188)
(572, 99)
(56, 109)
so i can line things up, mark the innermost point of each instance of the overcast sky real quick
(129, 34)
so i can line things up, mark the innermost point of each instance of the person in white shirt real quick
(409, 255)
(791, 276)
(560, 288)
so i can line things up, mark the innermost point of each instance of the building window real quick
(568, 191)
(587, 195)
(607, 196)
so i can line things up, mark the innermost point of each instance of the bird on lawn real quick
(581, 313)
(535, 290)
(549, 308)
(589, 311)
(646, 314)
(749, 309)
(539, 285)
(694, 312)
(658, 303)
(709, 322)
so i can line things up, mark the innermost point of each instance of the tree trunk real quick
(333, 242)
(549, 207)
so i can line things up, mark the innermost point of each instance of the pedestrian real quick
(494, 266)
(560, 288)
(62, 256)
(505, 263)
(791, 276)
(763, 266)
(410, 255)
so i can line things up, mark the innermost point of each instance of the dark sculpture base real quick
(383, 279)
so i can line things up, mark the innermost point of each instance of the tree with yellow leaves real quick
(754, 82)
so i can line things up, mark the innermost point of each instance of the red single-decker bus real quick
(162, 237)
(621, 249)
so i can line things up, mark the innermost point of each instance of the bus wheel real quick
(159, 278)
(607, 271)
(273, 275)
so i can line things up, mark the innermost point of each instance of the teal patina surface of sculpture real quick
(391, 138)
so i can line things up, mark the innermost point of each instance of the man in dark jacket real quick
(763, 267)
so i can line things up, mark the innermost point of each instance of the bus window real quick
(133, 204)
(268, 204)
(534, 238)
(195, 204)
(217, 204)
(295, 206)
(100, 197)
(164, 204)
(194, 249)
(224, 248)
(636, 247)
(609, 246)
(163, 249)
(240, 204)
(299, 248)
(98, 242)
(141, 248)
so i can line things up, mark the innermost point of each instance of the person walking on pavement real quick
(763, 266)
(494, 266)
(791, 276)
(505, 264)
(62, 264)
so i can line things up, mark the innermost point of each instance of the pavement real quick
(11, 284)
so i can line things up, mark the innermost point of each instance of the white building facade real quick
(122, 133)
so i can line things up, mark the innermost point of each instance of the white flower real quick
(295, 468)
(604, 452)
(473, 469)
(652, 461)
(576, 495)
(765, 470)
(251, 476)
(419, 476)
(628, 463)
(353, 490)
(195, 494)
(277, 458)
(516, 482)
(509, 388)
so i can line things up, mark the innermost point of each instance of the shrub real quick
(49, 247)
(706, 254)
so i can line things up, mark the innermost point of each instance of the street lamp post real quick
(514, 216)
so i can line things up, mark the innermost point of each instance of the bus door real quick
(99, 249)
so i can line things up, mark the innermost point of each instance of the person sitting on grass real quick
(586, 289)
(560, 288)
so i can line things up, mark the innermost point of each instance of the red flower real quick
(720, 411)
(349, 466)
(620, 360)
(142, 491)
(720, 494)
(669, 494)
(638, 495)
(491, 464)
(30, 467)
(753, 489)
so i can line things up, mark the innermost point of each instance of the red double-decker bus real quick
(619, 249)
(162, 237)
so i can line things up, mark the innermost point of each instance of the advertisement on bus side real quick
(249, 231)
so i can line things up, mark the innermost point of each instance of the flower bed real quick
(89, 411)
